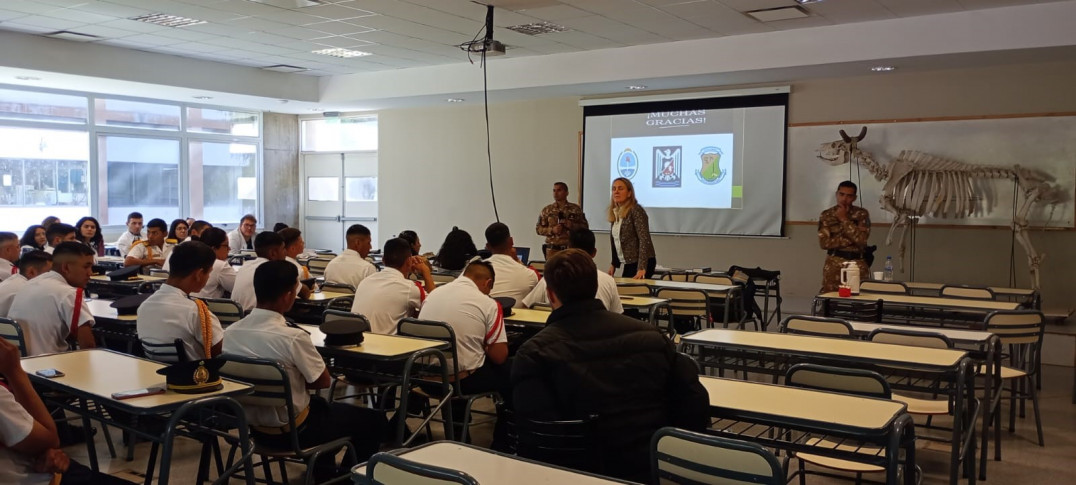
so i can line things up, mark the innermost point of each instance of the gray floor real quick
(1023, 460)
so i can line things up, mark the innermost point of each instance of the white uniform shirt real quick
(49, 249)
(264, 335)
(349, 268)
(474, 317)
(512, 279)
(143, 251)
(15, 425)
(243, 289)
(8, 289)
(45, 308)
(236, 242)
(386, 297)
(607, 293)
(126, 240)
(221, 280)
(7, 269)
(168, 314)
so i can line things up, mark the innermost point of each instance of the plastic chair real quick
(11, 331)
(272, 388)
(969, 292)
(388, 469)
(167, 352)
(857, 382)
(227, 311)
(815, 326)
(1021, 335)
(680, 456)
(317, 265)
(917, 338)
(413, 327)
(886, 287)
(567, 443)
(688, 306)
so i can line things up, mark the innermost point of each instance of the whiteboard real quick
(1044, 143)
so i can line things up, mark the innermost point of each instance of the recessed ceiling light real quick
(455, 100)
(166, 20)
(340, 52)
(883, 68)
(636, 87)
(317, 109)
(75, 36)
(285, 68)
(805, 2)
(27, 78)
(203, 97)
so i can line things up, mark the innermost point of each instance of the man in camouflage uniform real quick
(843, 231)
(558, 219)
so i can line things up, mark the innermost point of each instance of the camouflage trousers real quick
(831, 272)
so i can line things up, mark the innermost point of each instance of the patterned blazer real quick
(634, 239)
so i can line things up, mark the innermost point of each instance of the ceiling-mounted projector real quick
(486, 45)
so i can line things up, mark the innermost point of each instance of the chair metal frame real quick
(11, 331)
(317, 265)
(885, 287)
(967, 292)
(824, 323)
(160, 352)
(682, 305)
(220, 307)
(407, 472)
(1021, 344)
(707, 450)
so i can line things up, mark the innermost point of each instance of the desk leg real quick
(990, 394)
(91, 446)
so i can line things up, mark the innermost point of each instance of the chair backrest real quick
(816, 326)
(886, 287)
(227, 311)
(272, 386)
(167, 352)
(317, 265)
(337, 315)
(691, 303)
(860, 382)
(715, 279)
(858, 310)
(388, 469)
(680, 456)
(564, 443)
(338, 287)
(971, 292)
(433, 330)
(911, 338)
(678, 276)
(11, 331)
(632, 289)
(1017, 327)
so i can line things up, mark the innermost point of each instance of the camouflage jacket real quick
(569, 215)
(850, 235)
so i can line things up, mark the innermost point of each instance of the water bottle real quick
(887, 275)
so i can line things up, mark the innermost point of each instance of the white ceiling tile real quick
(343, 42)
(554, 13)
(62, 3)
(186, 35)
(28, 6)
(33, 29)
(601, 6)
(291, 17)
(583, 40)
(132, 25)
(214, 28)
(911, 8)
(716, 17)
(748, 5)
(80, 16)
(49, 22)
(846, 11)
(257, 23)
(339, 28)
(269, 39)
(10, 15)
(110, 9)
(106, 32)
(335, 12)
(149, 40)
(198, 47)
(241, 7)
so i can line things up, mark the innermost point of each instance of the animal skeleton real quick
(918, 184)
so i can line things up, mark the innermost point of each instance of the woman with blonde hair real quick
(630, 234)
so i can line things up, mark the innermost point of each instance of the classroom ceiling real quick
(399, 34)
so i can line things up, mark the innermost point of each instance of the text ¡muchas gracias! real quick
(676, 118)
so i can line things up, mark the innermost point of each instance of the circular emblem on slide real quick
(627, 164)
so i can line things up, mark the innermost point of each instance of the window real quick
(142, 175)
(42, 173)
(205, 120)
(361, 189)
(357, 133)
(35, 106)
(223, 180)
(136, 114)
(323, 189)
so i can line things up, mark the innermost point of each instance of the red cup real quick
(844, 292)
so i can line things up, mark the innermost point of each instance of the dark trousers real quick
(366, 428)
(489, 377)
(631, 268)
(79, 474)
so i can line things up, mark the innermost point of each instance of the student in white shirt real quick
(351, 266)
(607, 292)
(293, 247)
(29, 443)
(9, 254)
(33, 238)
(513, 279)
(243, 236)
(169, 314)
(388, 296)
(149, 252)
(222, 279)
(269, 246)
(58, 233)
(51, 306)
(31, 265)
(264, 334)
(132, 234)
(196, 229)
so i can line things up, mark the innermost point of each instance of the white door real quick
(339, 189)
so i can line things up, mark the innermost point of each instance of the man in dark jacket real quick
(589, 361)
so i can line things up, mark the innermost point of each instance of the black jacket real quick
(589, 361)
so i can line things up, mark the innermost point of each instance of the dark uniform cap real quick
(124, 273)
(507, 303)
(344, 333)
(128, 305)
(194, 377)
